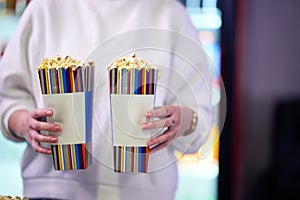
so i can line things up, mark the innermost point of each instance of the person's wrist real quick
(14, 123)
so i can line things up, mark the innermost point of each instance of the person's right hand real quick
(27, 125)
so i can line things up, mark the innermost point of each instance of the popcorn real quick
(13, 198)
(65, 62)
(131, 62)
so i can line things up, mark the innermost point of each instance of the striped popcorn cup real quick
(132, 93)
(67, 88)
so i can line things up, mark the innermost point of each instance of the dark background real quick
(260, 143)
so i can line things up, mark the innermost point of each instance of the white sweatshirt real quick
(75, 27)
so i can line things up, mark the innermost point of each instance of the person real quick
(75, 28)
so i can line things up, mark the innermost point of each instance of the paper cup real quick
(67, 88)
(132, 93)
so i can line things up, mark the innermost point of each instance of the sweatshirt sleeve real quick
(192, 88)
(190, 79)
(16, 77)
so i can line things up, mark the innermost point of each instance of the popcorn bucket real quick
(132, 93)
(67, 88)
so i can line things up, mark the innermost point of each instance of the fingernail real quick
(49, 112)
(60, 124)
(57, 128)
(54, 140)
(48, 152)
(151, 143)
(144, 126)
(148, 114)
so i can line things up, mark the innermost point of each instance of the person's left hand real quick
(170, 117)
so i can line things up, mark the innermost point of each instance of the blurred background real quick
(255, 46)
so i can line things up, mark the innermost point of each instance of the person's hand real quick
(27, 125)
(175, 118)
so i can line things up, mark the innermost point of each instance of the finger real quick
(168, 135)
(42, 138)
(160, 112)
(157, 124)
(45, 126)
(162, 145)
(159, 147)
(36, 147)
(42, 112)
